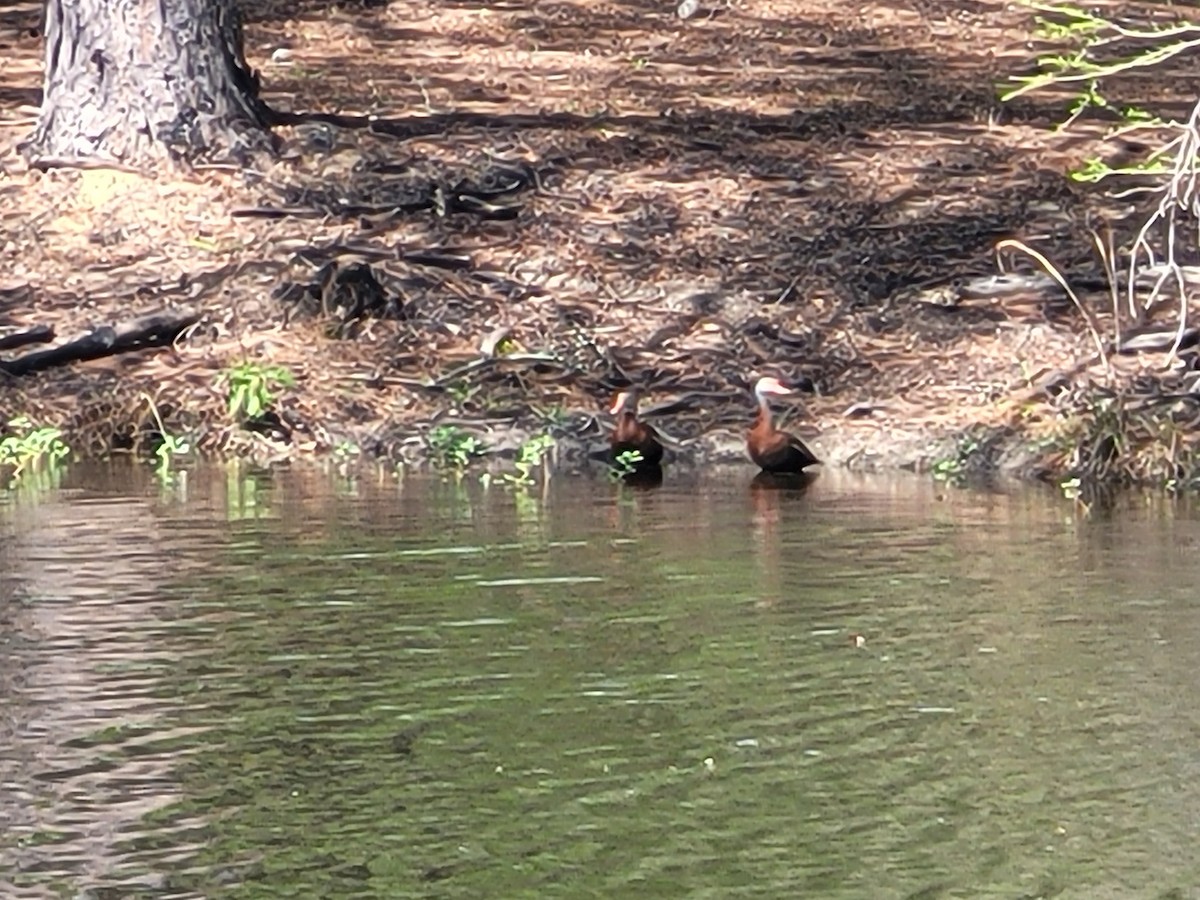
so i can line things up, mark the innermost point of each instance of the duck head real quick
(769, 386)
(626, 401)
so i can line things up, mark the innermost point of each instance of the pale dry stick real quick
(1108, 258)
(1153, 34)
(154, 409)
(1053, 272)
(1165, 210)
(1166, 150)
(1180, 286)
(420, 83)
(1131, 288)
(1178, 193)
(1080, 109)
(1154, 125)
(787, 290)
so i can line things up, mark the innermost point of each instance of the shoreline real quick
(639, 229)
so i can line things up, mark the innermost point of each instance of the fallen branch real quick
(38, 334)
(154, 330)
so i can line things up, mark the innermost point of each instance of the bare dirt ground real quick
(506, 210)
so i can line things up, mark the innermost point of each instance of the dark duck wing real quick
(782, 452)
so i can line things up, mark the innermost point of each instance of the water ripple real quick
(421, 689)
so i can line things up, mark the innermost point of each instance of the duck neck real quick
(762, 422)
(627, 422)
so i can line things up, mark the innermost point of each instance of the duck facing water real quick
(631, 435)
(771, 449)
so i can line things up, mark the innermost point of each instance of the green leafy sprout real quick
(450, 447)
(624, 463)
(169, 447)
(29, 448)
(253, 388)
(530, 456)
(952, 469)
(346, 451)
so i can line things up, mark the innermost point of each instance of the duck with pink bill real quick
(773, 450)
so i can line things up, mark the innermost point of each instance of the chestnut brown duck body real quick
(773, 450)
(632, 435)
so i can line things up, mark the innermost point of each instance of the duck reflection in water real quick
(791, 482)
(644, 478)
(771, 492)
(631, 436)
(777, 507)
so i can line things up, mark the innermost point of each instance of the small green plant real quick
(624, 464)
(169, 447)
(551, 416)
(460, 391)
(531, 455)
(29, 448)
(172, 445)
(953, 468)
(948, 469)
(344, 454)
(452, 448)
(252, 388)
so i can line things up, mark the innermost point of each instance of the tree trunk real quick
(138, 81)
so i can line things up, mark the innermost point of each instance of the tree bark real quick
(138, 81)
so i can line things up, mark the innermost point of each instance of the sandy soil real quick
(554, 199)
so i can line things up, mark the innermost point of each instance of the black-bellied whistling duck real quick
(774, 450)
(630, 435)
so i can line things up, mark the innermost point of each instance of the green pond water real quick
(307, 685)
